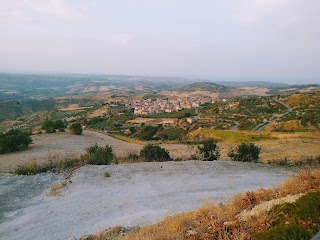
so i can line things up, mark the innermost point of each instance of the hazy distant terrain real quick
(18, 86)
(24, 94)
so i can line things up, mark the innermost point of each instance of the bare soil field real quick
(58, 146)
(134, 194)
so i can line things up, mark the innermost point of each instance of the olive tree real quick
(209, 150)
(245, 152)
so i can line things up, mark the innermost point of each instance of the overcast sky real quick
(277, 40)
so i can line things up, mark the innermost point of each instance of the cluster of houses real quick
(154, 106)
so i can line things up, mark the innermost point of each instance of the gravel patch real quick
(135, 194)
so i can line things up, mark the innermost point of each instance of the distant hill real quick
(258, 84)
(204, 86)
(19, 86)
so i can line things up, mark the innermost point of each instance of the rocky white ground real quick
(135, 194)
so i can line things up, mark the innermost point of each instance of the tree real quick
(147, 132)
(154, 153)
(245, 152)
(49, 127)
(209, 150)
(14, 140)
(76, 128)
(58, 124)
(97, 155)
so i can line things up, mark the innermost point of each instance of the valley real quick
(59, 185)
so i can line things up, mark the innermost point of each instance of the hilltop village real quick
(159, 105)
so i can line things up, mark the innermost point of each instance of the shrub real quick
(245, 152)
(53, 166)
(147, 133)
(58, 124)
(299, 220)
(153, 153)
(209, 150)
(49, 127)
(171, 134)
(14, 140)
(106, 175)
(97, 155)
(76, 128)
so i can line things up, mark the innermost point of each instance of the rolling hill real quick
(204, 86)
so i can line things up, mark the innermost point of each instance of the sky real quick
(273, 40)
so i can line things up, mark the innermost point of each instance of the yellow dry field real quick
(255, 91)
(101, 112)
(155, 121)
(190, 94)
(280, 146)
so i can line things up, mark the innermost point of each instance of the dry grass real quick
(223, 221)
(131, 156)
(56, 188)
(276, 146)
(229, 136)
(55, 164)
(129, 139)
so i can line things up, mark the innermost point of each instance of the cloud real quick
(122, 38)
(253, 11)
(29, 10)
(58, 8)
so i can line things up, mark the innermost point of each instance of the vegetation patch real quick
(107, 175)
(299, 220)
(245, 152)
(76, 128)
(209, 150)
(53, 166)
(308, 162)
(154, 153)
(51, 126)
(232, 136)
(14, 140)
(97, 155)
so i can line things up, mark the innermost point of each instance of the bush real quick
(58, 124)
(53, 166)
(246, 152)
(49, 127)
(76, 128)
(299, 220)
(106, 175)
(209, 151)
(171, 134)
(147, 133)
(153, 153)
(97, 155)
(14, 140)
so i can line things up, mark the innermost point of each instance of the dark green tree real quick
(59, 124)
(76, 128)
(154, 153)
(49, 126)
(209, 150)
(245, 152)
(147, 133)
(97, 155)
(14, 140)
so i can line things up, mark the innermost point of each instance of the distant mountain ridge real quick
(204, 86)
(259, 84)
